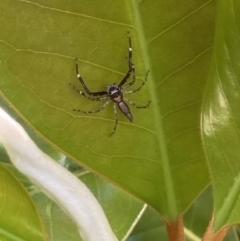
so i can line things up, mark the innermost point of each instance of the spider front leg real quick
(131, 69)
(93, 98)
(93, 94)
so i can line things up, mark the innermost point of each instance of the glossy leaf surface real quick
(221, 118)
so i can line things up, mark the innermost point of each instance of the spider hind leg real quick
(116, 120)
(138, 106)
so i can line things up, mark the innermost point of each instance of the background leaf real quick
(221, 119)
(19, 218)
(158, 157)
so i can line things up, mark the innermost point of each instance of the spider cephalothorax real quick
(114, 92)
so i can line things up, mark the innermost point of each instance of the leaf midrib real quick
(167, 175)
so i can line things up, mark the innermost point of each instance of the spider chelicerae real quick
(114, 92)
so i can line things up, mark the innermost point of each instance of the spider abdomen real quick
(125, 110)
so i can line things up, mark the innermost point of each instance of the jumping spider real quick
(114, 92)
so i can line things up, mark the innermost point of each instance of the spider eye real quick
(113, 90)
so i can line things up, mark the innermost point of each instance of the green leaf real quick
(19, 217)
(221, 119)
(159, 157)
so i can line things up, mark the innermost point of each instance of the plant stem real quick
(210, 235)
(175, 230)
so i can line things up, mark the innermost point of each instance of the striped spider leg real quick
(136, 90)
(95, 96)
